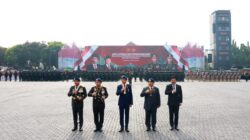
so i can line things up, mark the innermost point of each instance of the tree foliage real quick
(34, 52)
(240, 55)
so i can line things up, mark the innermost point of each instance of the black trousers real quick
(150, 118)
(173, 115)
(124, 111)
(98, 111)
(77, 109)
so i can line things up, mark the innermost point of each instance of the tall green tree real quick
(2, 52)
(18, 55)
(50, 53)
(240, 55)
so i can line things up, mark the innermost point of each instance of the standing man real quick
(99, 94)
(151, 103)
(124, 91)
(0, 75)
(174, 93)
(15, 75)
(78, 94)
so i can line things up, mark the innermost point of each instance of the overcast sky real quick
(117, 22)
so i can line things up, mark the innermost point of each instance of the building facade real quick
(220, 39)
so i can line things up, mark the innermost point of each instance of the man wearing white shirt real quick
(174, 93)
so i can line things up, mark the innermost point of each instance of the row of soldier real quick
(114, 76)
(214, 76)
(150, 93)
(9, 75)
(39, 75)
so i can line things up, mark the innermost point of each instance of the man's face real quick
(173, 81)
(150, 84)
(108, 61)
(98, 83)
(77, 82)
(95, 60)
(170, 59)
(154, 59)
(124, 81)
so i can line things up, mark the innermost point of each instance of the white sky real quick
(117, 22)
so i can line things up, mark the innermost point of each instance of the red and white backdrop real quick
(130, 55)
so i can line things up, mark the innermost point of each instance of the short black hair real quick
(173, 77)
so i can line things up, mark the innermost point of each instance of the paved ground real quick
(41, 110)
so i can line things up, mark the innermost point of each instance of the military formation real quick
(133, 76)
(42, 75)
(150, 93)
(219, 76)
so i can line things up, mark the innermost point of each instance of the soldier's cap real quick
(76, 79)
(124, 77)
(98, 79)
(151, 80)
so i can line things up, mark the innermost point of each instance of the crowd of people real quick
(133, 75)
(226, 76)
(9, 75)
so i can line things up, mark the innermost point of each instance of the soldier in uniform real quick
(246, 77)
(124, 91)
(99, 94)
(78, 94)
(174, 93)
(15, 75)
(6, 75)
(151, 103)
(0, 75)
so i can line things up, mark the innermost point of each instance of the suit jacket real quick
(125, 100)
(98, 99)
(153, 100)
(176, 98)
(81, 93)
(90, 67)
(105, 68)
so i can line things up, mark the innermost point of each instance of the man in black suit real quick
(78, 94)
(124, 91)
(151, 103)
(99, 94)
(174, 93)
(108, 66)
(94, 66)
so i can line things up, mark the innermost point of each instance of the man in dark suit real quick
(151, 103)
(124, 91)
(99, 94)
(174, 93)
(78, 94)
(94, 66)
(108, 66)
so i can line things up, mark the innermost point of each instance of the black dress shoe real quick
(176, 129)
(154, 129)
(127, 130)
(74, 129)
(80, 129)
(96, 130)
(100, 130)
(148, 129)
(172, 129)
(121, 130)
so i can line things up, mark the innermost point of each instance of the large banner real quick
(68, 56)
(194, 56)
(129, 56)
(150, 57)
